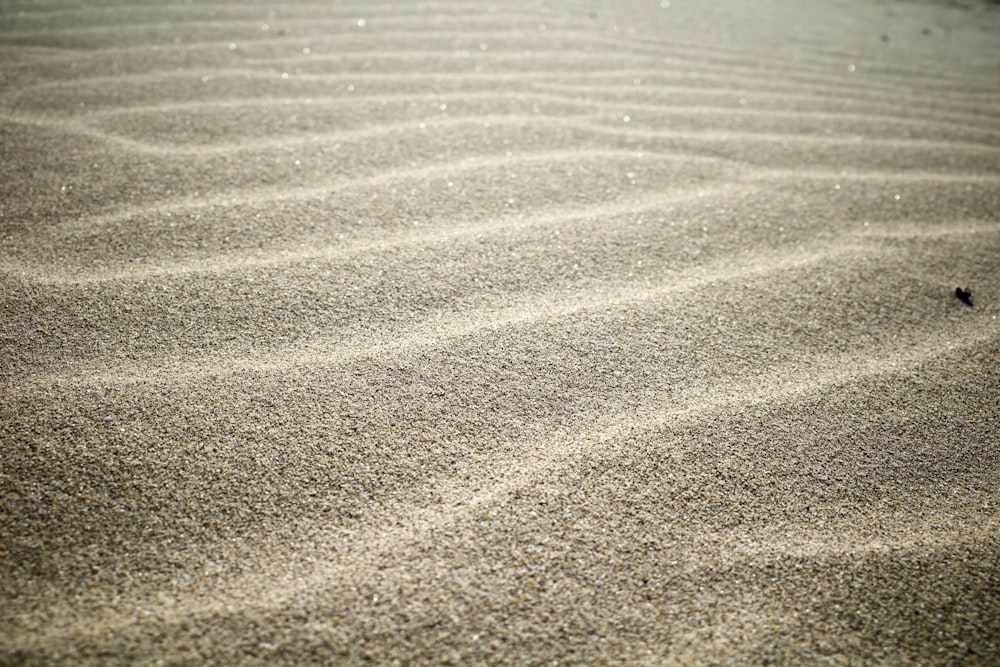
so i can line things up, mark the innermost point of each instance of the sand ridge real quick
(559, 331)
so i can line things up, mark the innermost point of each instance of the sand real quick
(565, 332)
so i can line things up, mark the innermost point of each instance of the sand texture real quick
(542, 331)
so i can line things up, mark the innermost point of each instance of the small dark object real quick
(964, 295)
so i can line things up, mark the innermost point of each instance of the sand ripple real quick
(560, 331)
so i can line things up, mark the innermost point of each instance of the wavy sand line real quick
(333, 340)
(696, 55)
(786, 73)
(775, 99)
(834, 85)
(278, 583)
(174, 149)
(631, 96)
(460, 107)
(224, 263)
(632, 131)
(437, 170)
(110, 12)
(635, 127)
(261, 198)
(440, 327)
(95, 36)
(342, 17)
(253, 48)
(652, 80)
(819, 65)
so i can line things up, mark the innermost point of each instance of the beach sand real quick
(549, 331)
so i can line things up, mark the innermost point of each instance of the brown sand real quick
(544, 331)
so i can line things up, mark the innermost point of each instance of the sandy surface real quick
(542, 331)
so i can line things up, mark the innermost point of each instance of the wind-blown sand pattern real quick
(541, 331)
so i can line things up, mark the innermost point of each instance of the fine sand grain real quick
(544, 331)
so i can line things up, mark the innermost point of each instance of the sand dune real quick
(557, 331)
